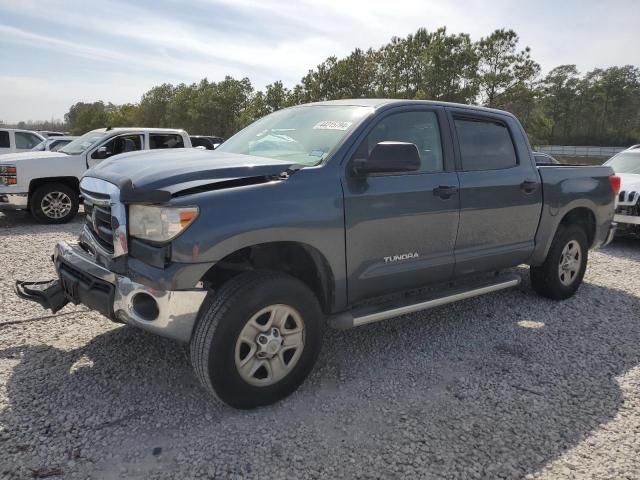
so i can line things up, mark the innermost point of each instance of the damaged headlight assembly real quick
(159, 224)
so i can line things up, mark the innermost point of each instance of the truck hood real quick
(22, 156)
(156, 176)
(629, 189)
(629, 181)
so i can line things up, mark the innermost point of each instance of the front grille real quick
(628, 197)
(106, 220)
(98, 219)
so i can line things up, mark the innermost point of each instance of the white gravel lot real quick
(509, 385)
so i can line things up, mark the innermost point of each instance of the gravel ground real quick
(509, 385)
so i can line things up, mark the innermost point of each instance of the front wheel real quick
(562, 272)
(54, 203)
(257, 338)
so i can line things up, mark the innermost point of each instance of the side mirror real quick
(389, 157)
(100, 154)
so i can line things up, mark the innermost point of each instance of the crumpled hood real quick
(22, 156)
(156, 175)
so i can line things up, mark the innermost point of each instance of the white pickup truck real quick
(47, 183)
(16, 140)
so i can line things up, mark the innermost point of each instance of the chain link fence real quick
(577, 151)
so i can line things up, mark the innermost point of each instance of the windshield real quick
(41, 147)
(302, 135)
(82, 143)
(625, 163)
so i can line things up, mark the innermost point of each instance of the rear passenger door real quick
(500, 192)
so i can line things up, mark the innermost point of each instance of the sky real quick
(54, 53)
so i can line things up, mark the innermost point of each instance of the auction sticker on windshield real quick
(331, 125)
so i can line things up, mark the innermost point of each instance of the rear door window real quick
(201, 142)
(485, 145)
(157, 141)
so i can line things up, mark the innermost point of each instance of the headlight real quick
(159, 224)
(8, 175)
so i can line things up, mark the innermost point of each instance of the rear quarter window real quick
(485, 145)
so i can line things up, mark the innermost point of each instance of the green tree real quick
(154, 106)
(83, 117)
(599, 107)
(501, 68)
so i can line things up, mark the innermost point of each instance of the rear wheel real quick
(563, 270)
(257, 338)
(54, 203)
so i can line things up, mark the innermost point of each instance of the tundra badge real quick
(402, 256)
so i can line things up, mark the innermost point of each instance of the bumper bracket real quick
(49, 294)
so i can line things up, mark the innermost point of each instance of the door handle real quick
(529, 186)
(445, 191)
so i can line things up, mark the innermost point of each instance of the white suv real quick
(47, 183)
(16, 140)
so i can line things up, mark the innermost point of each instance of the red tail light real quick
(614, 181)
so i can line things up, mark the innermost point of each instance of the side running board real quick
(364, 315)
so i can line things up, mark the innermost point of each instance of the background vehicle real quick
(210, 143)
(16, 140)
(49, 133)
(47, 183)
(350, 211)
(52, 144)
(544, 159)
(626, 164)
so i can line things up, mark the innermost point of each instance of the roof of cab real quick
(379, 103)
(140, 129)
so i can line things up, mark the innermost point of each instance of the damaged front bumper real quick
(83, 281)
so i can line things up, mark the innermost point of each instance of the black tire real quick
(59, 190)
(223, 316)
(546, 279)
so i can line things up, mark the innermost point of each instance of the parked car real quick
(210, 143)
(47, 183)
(52, 144)
(345, 212)
(544, 159)
(15, 140)
(49, 133)
(626, 164)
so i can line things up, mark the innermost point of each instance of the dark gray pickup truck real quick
(341, 213)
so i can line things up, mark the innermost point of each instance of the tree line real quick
(599, 107)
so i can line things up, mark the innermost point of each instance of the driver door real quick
(401, 227)
(115, 146)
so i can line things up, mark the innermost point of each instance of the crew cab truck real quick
(16, 140)
(47, 183)
(342, 213)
